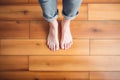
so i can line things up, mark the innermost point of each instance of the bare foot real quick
(52, 40)
(66, 39)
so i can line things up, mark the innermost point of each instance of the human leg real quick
(49, 9)
(50, 13)
(69, 12)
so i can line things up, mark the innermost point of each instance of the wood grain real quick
(25, 75)
(74, 63)
(105, 75)
(14, 29)
(14, 67)
(38, 47)
(13, 60)
(95, 29)
(103, 11)
(80, 29)
(32, 12)
(94, 55)
(39, 29)
(105, 47)
(9, 63)
(101, 1)
(84, 1)
(104, 29)
(20, 12)
(0, 46)
(2, 2)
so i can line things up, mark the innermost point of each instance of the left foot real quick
(52, 40)
(66, 39)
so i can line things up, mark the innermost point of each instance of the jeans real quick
(50, 11)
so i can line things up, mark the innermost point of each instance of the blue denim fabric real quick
(50, 10)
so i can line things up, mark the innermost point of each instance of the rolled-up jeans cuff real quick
(70, 17)
(53, 18)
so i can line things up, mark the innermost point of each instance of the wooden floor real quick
(95, 54)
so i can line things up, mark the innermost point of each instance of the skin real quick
(52, 40)
(66, 37)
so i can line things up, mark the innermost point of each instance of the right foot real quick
(66, 39)
(52, 40)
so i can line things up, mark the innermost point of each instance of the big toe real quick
(62, 46)
(57, 47)
(51, 46)
(54, 47)
(67, 45)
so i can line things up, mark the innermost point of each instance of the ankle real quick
(65, 21)
(53, 24)
(65, 24)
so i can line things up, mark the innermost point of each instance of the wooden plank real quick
(104, 29)
(20, 12)
(13, 60)
(103, 11)
(104, 75)
(13, 63)
(105, 47)
(0, 46)
(43, 75)
(38, 47)
(14, 29)
(13, 1)
(31, 12)
(14, 67)
(80, 29)
(101, 1)
(95, 29)
(39, 29)
(74, 63)
(84, 1)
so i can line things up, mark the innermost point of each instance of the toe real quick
(50, 46)
(71, 43)
(57, 47)
(54, 47)
(47, 43)
(68, 46)
(62, 46)
(65, 46)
